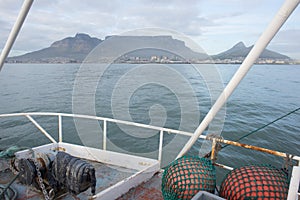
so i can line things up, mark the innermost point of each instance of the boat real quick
(62, 170)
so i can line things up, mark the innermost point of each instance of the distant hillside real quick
(75, 49)
(70, 49)
(171, 49)
(240, 51)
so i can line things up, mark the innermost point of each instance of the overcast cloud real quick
(214, 25)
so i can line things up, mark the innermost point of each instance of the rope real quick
(10, 152)
(258, 129)
(264, 126)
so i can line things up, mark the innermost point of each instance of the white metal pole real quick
(282, 15)
(41, 129)
(294, 184)
(15, 30)
(60, 138)
(160, 148)
(104, 134)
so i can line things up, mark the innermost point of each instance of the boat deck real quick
(150, 190)
(119, 175)
(107, 175)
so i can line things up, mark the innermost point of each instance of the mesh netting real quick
(255, 182)
(186, 176)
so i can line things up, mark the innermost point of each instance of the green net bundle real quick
(255, 182)
(186, 176)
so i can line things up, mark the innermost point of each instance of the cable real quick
(256, 130)
(264, 126)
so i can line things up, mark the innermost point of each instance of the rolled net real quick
(255, 182)
(186, 176)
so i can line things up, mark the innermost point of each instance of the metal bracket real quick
(216, 146)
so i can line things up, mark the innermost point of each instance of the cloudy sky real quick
(215, 25)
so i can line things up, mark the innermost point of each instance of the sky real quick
(215, 25)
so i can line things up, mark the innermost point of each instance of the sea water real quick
(266, 93)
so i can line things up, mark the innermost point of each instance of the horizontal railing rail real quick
(161, 130)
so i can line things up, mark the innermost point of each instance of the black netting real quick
(255, 182)
(186, 176)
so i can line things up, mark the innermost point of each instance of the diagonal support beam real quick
(15, 31)
(41, 129)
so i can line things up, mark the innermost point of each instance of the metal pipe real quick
(213, 150)
(247, 146)
(160, 148)
(15, 30)
(162, 130)
(223, 166)
(282, 15)
(60, 138)
(294, 184)
(104, 134)
(41, 129)
(167, 130)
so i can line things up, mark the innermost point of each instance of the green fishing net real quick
(186, 176)
(255, 182)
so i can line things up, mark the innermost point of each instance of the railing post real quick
(59, 128)
(161, 141)
(213, 150)
(104, 134)
(294, 184)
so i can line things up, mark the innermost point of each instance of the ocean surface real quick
(156, 95)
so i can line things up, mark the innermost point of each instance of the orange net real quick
(255, 182)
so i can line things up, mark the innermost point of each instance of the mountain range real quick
(75, 49)
(70, 49)
(240, 51)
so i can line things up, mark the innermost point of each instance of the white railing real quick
(103, 119)
(161, 130)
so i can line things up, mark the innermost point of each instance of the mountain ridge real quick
(66, 50)
(75, 49)
(240, 50)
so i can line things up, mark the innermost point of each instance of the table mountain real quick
(75, 49)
